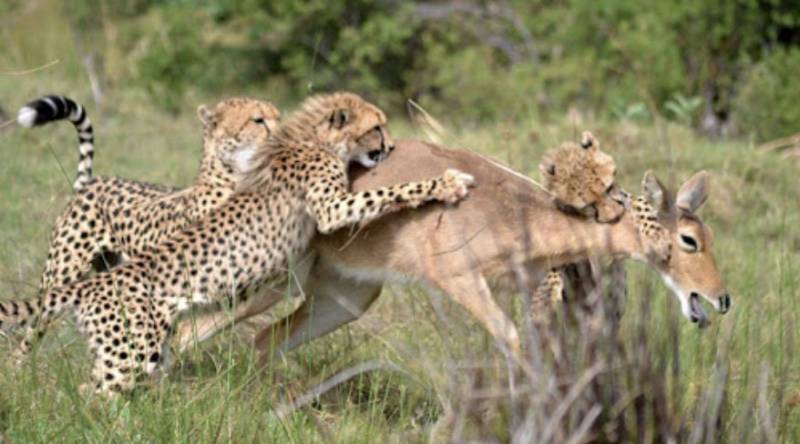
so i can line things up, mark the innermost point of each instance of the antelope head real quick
(679, 246)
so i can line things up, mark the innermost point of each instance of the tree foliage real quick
(485, 59)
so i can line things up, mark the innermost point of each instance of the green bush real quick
(769, 104)
(469, 59)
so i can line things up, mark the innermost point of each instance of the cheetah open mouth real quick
(370, 159)
(376, 155)
(696, 311)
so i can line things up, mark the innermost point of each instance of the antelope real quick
(506, 224)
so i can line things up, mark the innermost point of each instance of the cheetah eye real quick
(688, 243)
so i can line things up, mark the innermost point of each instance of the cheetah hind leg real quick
(128, 349)
(79, 266)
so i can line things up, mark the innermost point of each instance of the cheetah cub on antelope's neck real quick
(292, 187)
(581, 179)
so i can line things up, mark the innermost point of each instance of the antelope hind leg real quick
(332, 300)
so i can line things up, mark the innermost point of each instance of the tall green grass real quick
(215, 393)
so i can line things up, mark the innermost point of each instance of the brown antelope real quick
(506, 224)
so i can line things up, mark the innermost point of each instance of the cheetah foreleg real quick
(349, 208)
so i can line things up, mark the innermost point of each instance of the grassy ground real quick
(215, 394)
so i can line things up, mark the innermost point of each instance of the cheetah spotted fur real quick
(581, 179)
(295, 186)
(111, 218)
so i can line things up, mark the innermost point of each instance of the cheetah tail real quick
(53, 107)
(20, 313)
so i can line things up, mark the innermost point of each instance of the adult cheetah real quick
(293, 187)
(110, 218)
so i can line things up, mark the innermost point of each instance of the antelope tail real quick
(53, 107)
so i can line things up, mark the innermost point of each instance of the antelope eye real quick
(688, 243)
(259, 120)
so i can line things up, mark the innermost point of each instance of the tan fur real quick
(507, 224)
(580, 176)
(241, 249)
(127, 217)
(314, 124)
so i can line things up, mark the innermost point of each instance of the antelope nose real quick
(724, 303)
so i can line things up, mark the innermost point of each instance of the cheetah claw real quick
(456, 185)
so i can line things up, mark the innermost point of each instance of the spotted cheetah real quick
(293, 187)
(111, 218)
(581, 179)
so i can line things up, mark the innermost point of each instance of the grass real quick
(215, 394)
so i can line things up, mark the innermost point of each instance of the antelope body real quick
(506, 232)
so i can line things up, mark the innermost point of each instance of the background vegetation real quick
(658, 83)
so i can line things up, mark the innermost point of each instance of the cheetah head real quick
(354, 129)
(582, 178)
(242, 123)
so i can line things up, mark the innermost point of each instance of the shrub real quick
(768, 105)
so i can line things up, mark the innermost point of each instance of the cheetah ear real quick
(588, 142)
(339, 118)
(547, 167)
(207, 116)
(693, 192)
(654, 192)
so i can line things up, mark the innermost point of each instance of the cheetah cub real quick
(110, 217)
(581, 179)
(292, 187)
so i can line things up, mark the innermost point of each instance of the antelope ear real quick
(693, 192)
(588, 142)
(655, 192)
(206, 115)
(339, 118)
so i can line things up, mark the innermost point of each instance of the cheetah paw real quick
(456, 186)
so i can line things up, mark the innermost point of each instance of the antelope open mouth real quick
(697, 313)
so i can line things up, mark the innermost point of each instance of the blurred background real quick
(723, 67)
(673, 86)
